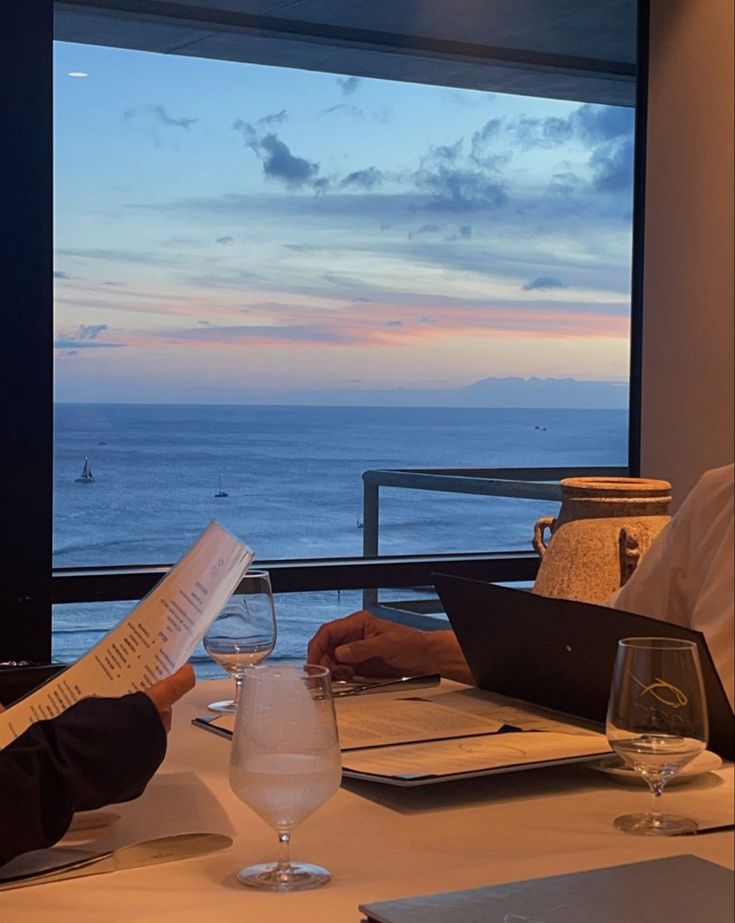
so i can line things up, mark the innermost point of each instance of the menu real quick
(407, 739)
(156, 638)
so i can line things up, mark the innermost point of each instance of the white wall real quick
(687, 423)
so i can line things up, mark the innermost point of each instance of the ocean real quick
(293, 479)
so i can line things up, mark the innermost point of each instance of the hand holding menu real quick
(150, 643)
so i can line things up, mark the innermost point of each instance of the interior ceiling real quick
(571, 49)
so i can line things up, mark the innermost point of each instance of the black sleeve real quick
(99, 751)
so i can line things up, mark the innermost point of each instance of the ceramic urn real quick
(603, 527)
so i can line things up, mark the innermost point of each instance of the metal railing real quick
(519, 483)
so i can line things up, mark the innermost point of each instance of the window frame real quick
(28, 584)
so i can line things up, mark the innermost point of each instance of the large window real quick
(269, 280)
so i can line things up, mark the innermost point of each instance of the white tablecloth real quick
(379, 842)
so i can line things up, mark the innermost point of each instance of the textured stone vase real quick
(603, 527)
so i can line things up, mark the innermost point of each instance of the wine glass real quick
(657, 721)
(244, 632)
(285, 762)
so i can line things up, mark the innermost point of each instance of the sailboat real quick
(220, 492)
(86, 477)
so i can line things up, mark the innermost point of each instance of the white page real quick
(394, 722)
(156, 638)
(474, 754)
(371, 723)
(377, 722)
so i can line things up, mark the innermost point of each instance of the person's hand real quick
(164, 693)
(364, 644)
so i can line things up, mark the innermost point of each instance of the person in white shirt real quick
(685, 577)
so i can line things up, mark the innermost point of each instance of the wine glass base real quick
(226, 705)
(299, 876)
(655, 825)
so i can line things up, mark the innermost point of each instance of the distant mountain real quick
(546, 392)
(487, 392)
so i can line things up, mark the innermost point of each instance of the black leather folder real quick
(559, 653)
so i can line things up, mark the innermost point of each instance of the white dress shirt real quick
(686, 576)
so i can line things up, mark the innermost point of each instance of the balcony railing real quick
(371, 571)
(519, 483)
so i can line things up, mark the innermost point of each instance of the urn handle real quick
(545, 522)
(629, 548)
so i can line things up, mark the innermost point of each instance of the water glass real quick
(244, 632)
(285, 762)
(657, 721)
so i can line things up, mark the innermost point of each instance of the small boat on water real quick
(86, 477)
(220, 492)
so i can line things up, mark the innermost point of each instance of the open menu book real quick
(452, 732)
(150, 643)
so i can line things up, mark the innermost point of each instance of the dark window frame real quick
(28, 586)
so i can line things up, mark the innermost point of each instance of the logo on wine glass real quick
(663, 691)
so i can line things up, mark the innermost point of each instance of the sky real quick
(234, 233)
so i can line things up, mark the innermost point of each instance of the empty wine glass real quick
(285, 762)
(244, 633)
(657, 721)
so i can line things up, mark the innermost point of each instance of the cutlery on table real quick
(341, 687)
(150, 852)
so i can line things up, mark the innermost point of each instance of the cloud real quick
(455, 182)
(612, 165)
(461, 189)
(224, 240)
(85, 338)
(603, 123)
(161, 115)
(481, 141)
(74, 345)
(565, 184)
(348, 85)
(347, 108)
(542, 284)
(606, 132)
(278, 162)
(61, 275)
(588, 123)
(446, 153)
(394, 323)
(273, 334)
(232, 279)
(365, 179)
(275, 118)
(425, 229)
(119, 256)
(90, 332)
(552, 131)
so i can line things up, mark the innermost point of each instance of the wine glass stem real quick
(284, 851)
(656, 789)
(239, 679)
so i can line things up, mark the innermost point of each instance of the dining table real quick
(379, 841)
